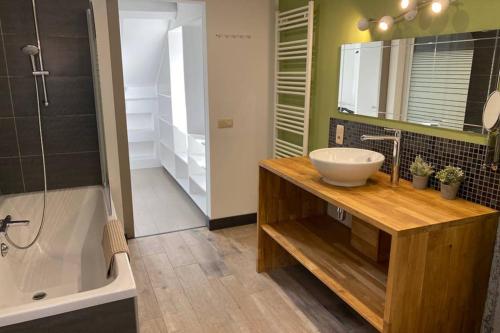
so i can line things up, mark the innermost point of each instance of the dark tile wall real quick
(118, 316)
(69, 122)
(481, 185)
(484, 77)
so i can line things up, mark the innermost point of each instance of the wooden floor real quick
(202, 281)
(160, 205)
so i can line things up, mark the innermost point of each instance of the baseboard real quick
(232, 221)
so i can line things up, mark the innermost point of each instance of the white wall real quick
(239, 87)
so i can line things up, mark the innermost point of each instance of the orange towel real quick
(113, 242)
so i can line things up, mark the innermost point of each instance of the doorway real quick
(163, 55)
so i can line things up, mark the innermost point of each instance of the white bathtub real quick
(67, 263)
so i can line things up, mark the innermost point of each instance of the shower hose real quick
(42, 222)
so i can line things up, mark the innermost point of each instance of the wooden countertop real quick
(396, 210)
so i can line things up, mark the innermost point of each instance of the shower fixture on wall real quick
(32, 51)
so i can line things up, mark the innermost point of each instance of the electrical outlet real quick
(339, 135)
(225, 123)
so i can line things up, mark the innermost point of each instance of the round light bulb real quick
(436, 7)
(385, 23)
(363, 24)
(408, 4)
(439, 6)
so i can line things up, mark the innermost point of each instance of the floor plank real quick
(161, 273)
(153, 326)
(204, 300)
(150, 245)
(204, 253)
(177, 250)
(202, 281)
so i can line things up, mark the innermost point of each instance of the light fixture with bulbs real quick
(385, 23)
(410, 8)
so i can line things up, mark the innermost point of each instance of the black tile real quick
(496, 60)
(8, 142)
(28, 135)
(70, 96)
(17, 16)
(494, 85)
(3, 69)
(5, 104)
(10, 176)
(67, 56)
(18, 64)
(474, 113)
(24, 96)
(482, 61)
(33, 173)
(63, 17)
(478, 88)
(118, 316)
(481, 185)
(71, 170)
(70, 134)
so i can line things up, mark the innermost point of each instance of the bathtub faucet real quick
(7, 221)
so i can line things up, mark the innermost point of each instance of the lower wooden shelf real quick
(321, 244)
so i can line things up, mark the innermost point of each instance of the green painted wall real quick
(336, 25)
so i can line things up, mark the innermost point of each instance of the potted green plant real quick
(450, 178)
(421, 171)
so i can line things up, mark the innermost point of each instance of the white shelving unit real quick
(165, 96)
(181, 114)
(142, 112)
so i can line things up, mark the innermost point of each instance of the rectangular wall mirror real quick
(441, 81)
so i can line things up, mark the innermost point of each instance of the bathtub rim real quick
(122, 287)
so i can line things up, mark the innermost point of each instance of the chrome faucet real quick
(7, 221)
(396, 138)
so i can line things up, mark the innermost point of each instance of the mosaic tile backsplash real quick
(481, 185)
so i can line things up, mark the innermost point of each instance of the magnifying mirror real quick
(491, 113)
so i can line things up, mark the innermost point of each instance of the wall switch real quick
(339, 135)
(225, 123)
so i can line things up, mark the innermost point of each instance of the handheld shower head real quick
(30, 50)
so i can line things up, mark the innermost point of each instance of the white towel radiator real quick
(292, 89)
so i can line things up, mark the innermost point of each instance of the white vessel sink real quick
(346, 167)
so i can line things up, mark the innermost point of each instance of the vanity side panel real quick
(281, 201)
(438, 280)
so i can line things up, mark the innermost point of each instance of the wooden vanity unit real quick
(413, 261)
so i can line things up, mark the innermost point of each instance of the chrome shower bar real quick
(42, 72)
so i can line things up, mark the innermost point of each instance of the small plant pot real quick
(449, 192)
(420, 182)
